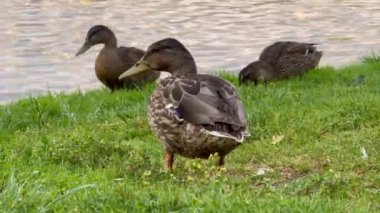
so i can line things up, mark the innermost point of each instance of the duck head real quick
(165, 55)
(98, 34)
(256, 71)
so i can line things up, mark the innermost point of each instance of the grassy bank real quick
(315, 146)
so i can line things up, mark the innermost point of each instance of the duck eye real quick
(93, 34)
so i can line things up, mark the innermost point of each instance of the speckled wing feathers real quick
(207, 100)
(291, 58)
(271, 53)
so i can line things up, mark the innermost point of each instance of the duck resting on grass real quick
(282, 59)
(113, 60)
(193, 115)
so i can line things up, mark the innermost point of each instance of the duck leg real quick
(221, 161)
(301, 75)
(169, 159)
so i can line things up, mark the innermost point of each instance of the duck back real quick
(291, 58)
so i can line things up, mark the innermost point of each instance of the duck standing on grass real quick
(113, 60)
(281, 60)
(193, 115)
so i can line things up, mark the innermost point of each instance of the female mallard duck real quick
(113, 60)
(280, 60)
(193, 115)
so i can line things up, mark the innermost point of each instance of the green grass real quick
(94, 151)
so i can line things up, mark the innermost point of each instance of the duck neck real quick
(111, 42)
(186, 68)
(185, 71)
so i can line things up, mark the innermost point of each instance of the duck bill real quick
(83, 49)
(140, 67)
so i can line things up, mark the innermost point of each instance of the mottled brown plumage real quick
(113, 60)
(193, 115)
(281, 60)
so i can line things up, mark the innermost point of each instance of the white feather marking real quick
(307, 52)
(172, 109)
(225, 135)
(169, 106)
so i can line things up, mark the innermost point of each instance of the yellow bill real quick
(139, 67)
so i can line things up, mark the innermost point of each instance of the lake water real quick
(39, 38)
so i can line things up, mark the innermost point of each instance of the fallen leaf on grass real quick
(263, 171)
(277, 139)
(364, 153)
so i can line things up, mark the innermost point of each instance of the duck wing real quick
(272, 52)
(291, 58)
(298, 48)
(298, 58)
(209, 101)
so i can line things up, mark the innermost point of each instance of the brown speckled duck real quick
(193, 115)
(281, 60)
(113, 60)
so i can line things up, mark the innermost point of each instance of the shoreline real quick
(100, 86)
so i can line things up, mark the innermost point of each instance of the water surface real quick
(39, 38)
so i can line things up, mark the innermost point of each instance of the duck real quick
(193, 115)
(282, 59)
(113, 60)
(257, 71)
